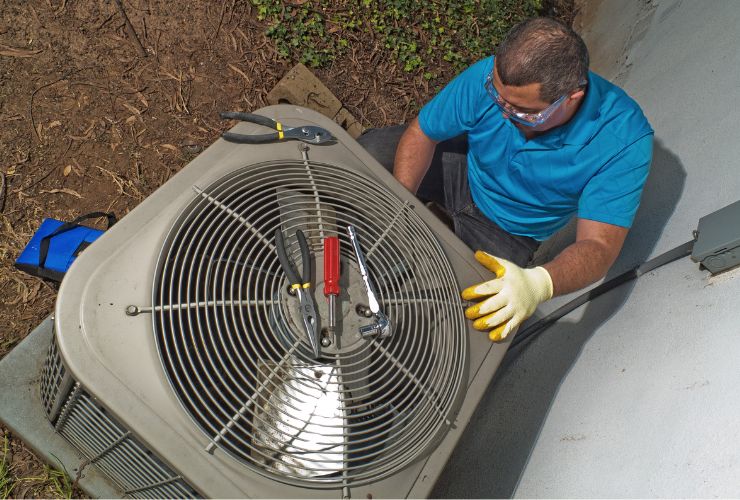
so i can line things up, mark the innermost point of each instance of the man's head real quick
(541, 63)
(545, 51)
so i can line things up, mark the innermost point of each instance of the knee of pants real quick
(381, 143)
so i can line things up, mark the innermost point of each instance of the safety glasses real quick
(527, 119)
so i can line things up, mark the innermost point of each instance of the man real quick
(518, 144)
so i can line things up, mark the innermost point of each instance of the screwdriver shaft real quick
(332, 312)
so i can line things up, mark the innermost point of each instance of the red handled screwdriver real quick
(331, 278)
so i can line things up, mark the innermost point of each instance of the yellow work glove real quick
(510, 298)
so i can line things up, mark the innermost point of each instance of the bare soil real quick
(91, 122)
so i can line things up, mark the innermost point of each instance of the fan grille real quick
(231, 342)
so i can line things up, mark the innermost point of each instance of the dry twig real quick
(2, 191)
(33, 94)
(16, 52)
(130, 29)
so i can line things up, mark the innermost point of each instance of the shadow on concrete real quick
(496, 445)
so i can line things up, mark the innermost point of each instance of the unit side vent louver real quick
(106, 444)
(55, 381)
(231, 343)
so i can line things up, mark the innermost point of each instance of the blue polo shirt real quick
(594, 166)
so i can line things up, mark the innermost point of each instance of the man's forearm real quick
(587, 260)
(413, 157)
(579, 265)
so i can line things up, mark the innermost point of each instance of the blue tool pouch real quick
(56, 244)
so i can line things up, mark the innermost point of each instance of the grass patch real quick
(51, 483)
(422, 36)
(7, 483)
(58, 481)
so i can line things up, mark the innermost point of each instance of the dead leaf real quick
(55, 123)
(131, 119)
(171, 76)
(62, 190)
(142, 99)
(87, 134)
(171, 147)
(11, 171)
(67, 170)
(237, 70)
(39, 129)
(115, 136)
(16, 52)
(131, 108)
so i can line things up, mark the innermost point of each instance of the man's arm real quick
(413, 157)
(587, 260)
(515, 293)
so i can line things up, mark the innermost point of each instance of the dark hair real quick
(545, 51)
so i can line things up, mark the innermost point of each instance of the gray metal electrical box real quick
(717, 245)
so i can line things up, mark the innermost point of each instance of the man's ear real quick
(576, 96)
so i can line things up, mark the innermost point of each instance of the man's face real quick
(526, 99)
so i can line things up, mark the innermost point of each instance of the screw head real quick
(363, 310)
(325, 337)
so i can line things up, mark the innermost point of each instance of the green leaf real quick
(451, 34)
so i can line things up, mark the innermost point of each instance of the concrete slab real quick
(22, 412)
(301, 87)
(612, 29)
(349, 123)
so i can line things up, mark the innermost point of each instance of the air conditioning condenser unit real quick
(179, 366)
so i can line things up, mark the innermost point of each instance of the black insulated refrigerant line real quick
(541, 325)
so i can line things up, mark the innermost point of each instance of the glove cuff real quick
(545, 281)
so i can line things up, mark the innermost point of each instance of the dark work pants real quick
(446, 183)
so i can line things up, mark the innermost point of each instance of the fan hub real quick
(352, 311)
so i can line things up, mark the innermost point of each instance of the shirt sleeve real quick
(613, 194)
(456, 108)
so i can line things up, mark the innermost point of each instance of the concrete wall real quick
(636, 394)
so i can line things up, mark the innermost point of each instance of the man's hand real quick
(510, 298)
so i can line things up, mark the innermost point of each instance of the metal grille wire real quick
(110, 447)
(102, 440)
(52, 375)
(235, 354)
